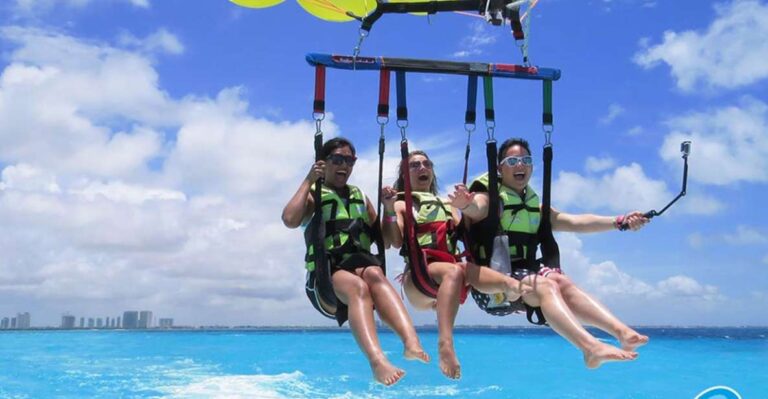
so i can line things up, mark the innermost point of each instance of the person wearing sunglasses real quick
(564, 305)
(358, 279)
(445, 286)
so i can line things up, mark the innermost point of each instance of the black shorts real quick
(355, 261)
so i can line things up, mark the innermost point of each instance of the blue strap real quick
(471, 115)
(402, 107)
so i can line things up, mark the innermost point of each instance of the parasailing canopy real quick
(497, 12)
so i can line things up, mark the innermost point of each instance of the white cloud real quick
(729, 54)
(729, 144)
(614, 111)
(687, 287)
(480, 37)
(623, 189)
(606, 280)
(635, 131)
(162, 40)
(599, 164)
(98, 203)
(746, 235)
(32, 7)
(742, 236)
(696, 240)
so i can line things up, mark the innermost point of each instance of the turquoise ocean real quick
(298, 363)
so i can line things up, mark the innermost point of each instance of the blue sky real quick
(147, 148)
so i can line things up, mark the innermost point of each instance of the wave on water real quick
(279, 386)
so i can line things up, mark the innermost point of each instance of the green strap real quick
(547, 118)
(488, 94)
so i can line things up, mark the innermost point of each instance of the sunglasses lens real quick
(512, 161)
(417, 164)
(338, 159)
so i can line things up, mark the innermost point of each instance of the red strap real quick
(319, 104)
(384, 93)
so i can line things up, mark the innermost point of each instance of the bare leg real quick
(592, 312)
(450, 276)
(547, 295)
(489, 281)
(392, 311)
(353, 291)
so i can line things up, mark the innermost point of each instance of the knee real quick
(455, 273)
(546, 286)
(359, 289)
(374, 275)
(563, 282)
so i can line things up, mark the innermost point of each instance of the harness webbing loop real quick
(319, 104)
(471, 115)
(383, 109)
(547, 118)
(402, 106)
(415, 261)
(469, 120)
(490, 116)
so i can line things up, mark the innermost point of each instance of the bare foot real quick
(632, 340)
(449, 364)
(385, 373)
(416, 354)
(603, 353)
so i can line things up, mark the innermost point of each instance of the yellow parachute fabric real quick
(329, 10)
(336, 10)
(257, 3)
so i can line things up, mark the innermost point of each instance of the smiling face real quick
(516, 177)
(336, 176)
(420, 171)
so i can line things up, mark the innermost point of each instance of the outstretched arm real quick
(473, 205)
(301, 205)
(588, 223)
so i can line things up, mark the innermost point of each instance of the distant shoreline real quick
(426, 328)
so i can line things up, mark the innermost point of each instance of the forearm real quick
(586, 223)
(293, 213)
(393, 236)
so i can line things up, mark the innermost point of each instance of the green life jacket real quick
(519, 220)
(347, 229)
(434, 222)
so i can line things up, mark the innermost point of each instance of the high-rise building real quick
(5, 323)
(91, 323)
(23, 320)
(145, 319)
(13, 322)
(82, 322)
(130, 319)
(67, 321)
(118, 322)
(165, 323)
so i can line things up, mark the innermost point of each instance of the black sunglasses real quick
(338, 159)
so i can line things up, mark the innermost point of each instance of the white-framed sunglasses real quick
(512, 160)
